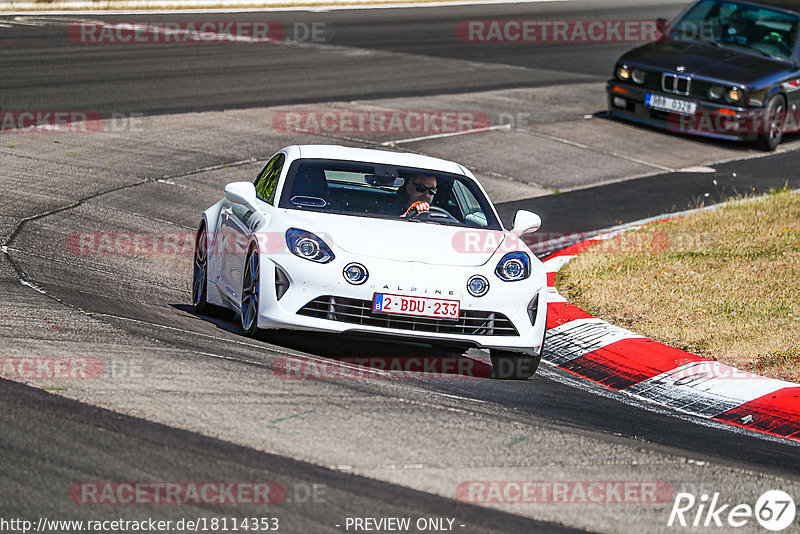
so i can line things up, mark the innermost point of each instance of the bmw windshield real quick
(756, 29)
(385, 191)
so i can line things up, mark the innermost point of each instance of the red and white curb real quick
(622, 360)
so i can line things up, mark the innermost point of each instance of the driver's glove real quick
(420, 206)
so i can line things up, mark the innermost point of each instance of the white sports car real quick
(324, 240)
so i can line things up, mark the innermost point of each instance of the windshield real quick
(757, 29)
(385, 191)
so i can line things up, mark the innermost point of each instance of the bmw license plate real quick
(665, 103)
(416, 306)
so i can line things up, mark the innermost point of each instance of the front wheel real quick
(508, 365)
(250, 292)
(774, 115)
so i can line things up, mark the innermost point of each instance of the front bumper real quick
(319, 299)
(715, 120)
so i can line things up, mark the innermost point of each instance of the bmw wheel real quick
(773, 123)
(250, 292)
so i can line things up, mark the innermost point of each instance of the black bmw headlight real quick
(308, 246)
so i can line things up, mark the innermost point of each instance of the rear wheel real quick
(200, 303)
(773, 123)
(200, 272)
(250, 293)
(508, 365)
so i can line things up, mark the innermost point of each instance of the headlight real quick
(513, 266)
(308, 246)
(623, 72)
(355, 273)
(715, 92)
(735, 94)
(638, 76)
(477, 286)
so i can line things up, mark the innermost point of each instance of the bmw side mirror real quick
(526, 222)
(241, 193)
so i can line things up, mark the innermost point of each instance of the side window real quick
(268, 179)
(469, 205)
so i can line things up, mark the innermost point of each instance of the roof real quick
(373, 156)
(788, 5)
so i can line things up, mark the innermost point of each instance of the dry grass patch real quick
(724, 284)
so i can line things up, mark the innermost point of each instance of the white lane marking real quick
(578, 337)
(28, 284)
(698, 169)
(23, 21)
(554, 265)
(449, 134)
(706, 389)
(598, 151)
(554, 296)
(86, 7)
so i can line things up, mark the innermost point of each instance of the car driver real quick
(419, 191)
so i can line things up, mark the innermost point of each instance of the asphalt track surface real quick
(43, 69)
(49, 442)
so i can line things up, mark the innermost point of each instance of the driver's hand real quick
(420, 206)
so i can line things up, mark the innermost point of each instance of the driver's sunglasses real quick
(422, 189)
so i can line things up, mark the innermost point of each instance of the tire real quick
(508, 365)
(774, 115)
(251, 278)
(200, 304)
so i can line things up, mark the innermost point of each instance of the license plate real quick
(416, 306)
(665, 103)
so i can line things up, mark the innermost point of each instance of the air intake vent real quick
(356, 311)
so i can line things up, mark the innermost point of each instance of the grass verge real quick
(724, 284)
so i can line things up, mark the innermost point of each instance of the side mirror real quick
(526, 222)
(241, 193)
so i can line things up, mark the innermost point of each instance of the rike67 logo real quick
(774, 510)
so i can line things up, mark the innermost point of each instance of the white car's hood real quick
(402, 240)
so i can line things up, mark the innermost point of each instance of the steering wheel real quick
(435, 212)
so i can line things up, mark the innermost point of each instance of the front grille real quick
(683, 85)
(357, 311)
(675, 83)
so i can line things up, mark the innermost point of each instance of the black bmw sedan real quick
(727, 69)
